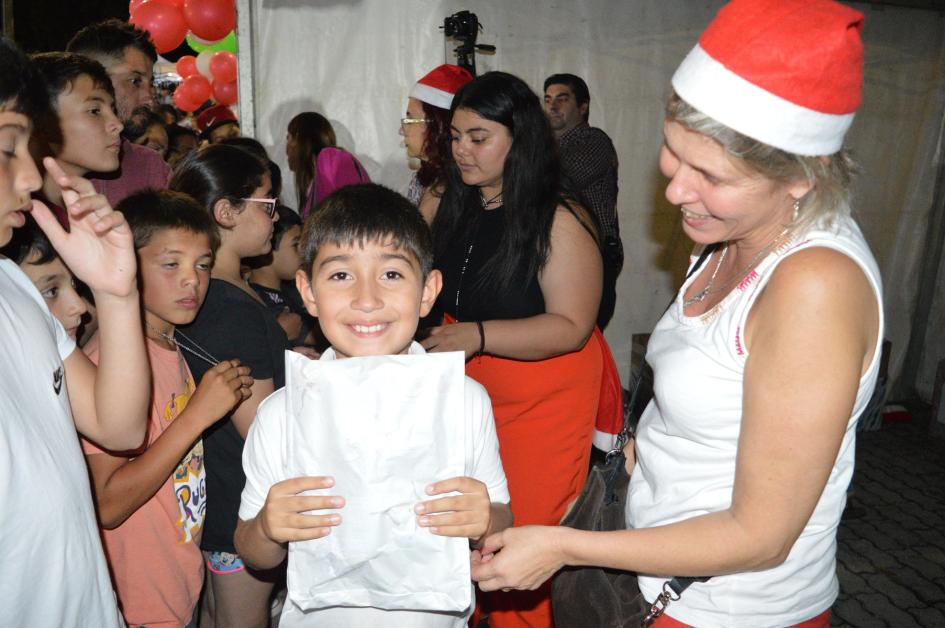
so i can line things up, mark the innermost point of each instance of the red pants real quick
(544, 413)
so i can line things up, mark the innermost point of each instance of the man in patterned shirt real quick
(589, 166)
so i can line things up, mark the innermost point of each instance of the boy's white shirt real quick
(265, 459)
(51, 573)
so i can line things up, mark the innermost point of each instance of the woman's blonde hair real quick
(830, 176)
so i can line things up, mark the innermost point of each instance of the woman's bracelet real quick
(482, 338)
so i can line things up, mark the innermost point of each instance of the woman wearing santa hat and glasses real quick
(770, 352)
(426, 133)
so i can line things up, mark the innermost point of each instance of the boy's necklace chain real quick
(193, 348)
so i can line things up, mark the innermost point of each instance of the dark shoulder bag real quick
(595, 596)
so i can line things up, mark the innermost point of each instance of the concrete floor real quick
(891, 554)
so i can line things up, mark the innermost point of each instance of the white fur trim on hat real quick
(726, 97)
(431, 95)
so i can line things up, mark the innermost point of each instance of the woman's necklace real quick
(710, 289)
(702, 294)
(494, 201)
(193, 348)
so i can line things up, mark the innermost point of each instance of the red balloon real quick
(165, 23)
(226, 93)
(187, 66)
(195, 88)
(223, 66)
(182, 103)
(211, 20)
(134, 4)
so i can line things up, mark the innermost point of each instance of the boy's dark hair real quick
(366, 212)
(26, 240)
(151, 211)
(61, 69)
(110, 38)
(575, 83)
(21, 87)
(288, 218)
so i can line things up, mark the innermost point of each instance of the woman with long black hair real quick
(522, 279)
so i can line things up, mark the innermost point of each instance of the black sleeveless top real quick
(461, 266)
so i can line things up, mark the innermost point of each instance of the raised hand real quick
(98, 247)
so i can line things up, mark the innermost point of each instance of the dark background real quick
(40, 25)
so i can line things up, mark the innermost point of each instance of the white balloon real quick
(203, 63)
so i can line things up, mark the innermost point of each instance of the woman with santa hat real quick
(426, 133)
(770, 352)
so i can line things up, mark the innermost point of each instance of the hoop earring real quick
(797, 209)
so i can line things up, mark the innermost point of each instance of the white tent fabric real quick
(355, 60)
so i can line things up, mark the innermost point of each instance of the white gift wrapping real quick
(384, 427)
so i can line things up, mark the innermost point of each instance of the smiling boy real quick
(366, 274)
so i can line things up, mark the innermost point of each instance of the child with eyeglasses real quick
(233, 187)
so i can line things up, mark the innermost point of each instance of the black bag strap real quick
(625, 433)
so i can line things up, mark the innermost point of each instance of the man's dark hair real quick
(288, 218)
(366, 212)
(110, 38)
(26, 240)
(149, 212)
(575, 83)
(21, 87)
(61, 69)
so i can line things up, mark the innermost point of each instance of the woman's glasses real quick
(409, 121)
(270, 204)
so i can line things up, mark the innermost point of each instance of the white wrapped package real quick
(384, 427)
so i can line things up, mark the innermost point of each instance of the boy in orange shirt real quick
(151, 503)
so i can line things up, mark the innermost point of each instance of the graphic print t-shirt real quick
(155, 554)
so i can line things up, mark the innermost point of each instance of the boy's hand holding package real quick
(465, 515)
(283, 518)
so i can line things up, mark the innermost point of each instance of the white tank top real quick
(688, 438)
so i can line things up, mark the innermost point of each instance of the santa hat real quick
(440, 84)
(784, 72)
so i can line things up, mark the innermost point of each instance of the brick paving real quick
(891, 559)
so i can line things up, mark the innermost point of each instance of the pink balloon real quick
(187, 66)
(195, 88)
(223, 66)
(226, 93)
(211, 20)
(181, 102)
(165, 23)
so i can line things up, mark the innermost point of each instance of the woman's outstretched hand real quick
(518, 558)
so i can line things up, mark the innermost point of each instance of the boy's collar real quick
(414, 349)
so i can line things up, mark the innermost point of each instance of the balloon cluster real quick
(207, 25)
